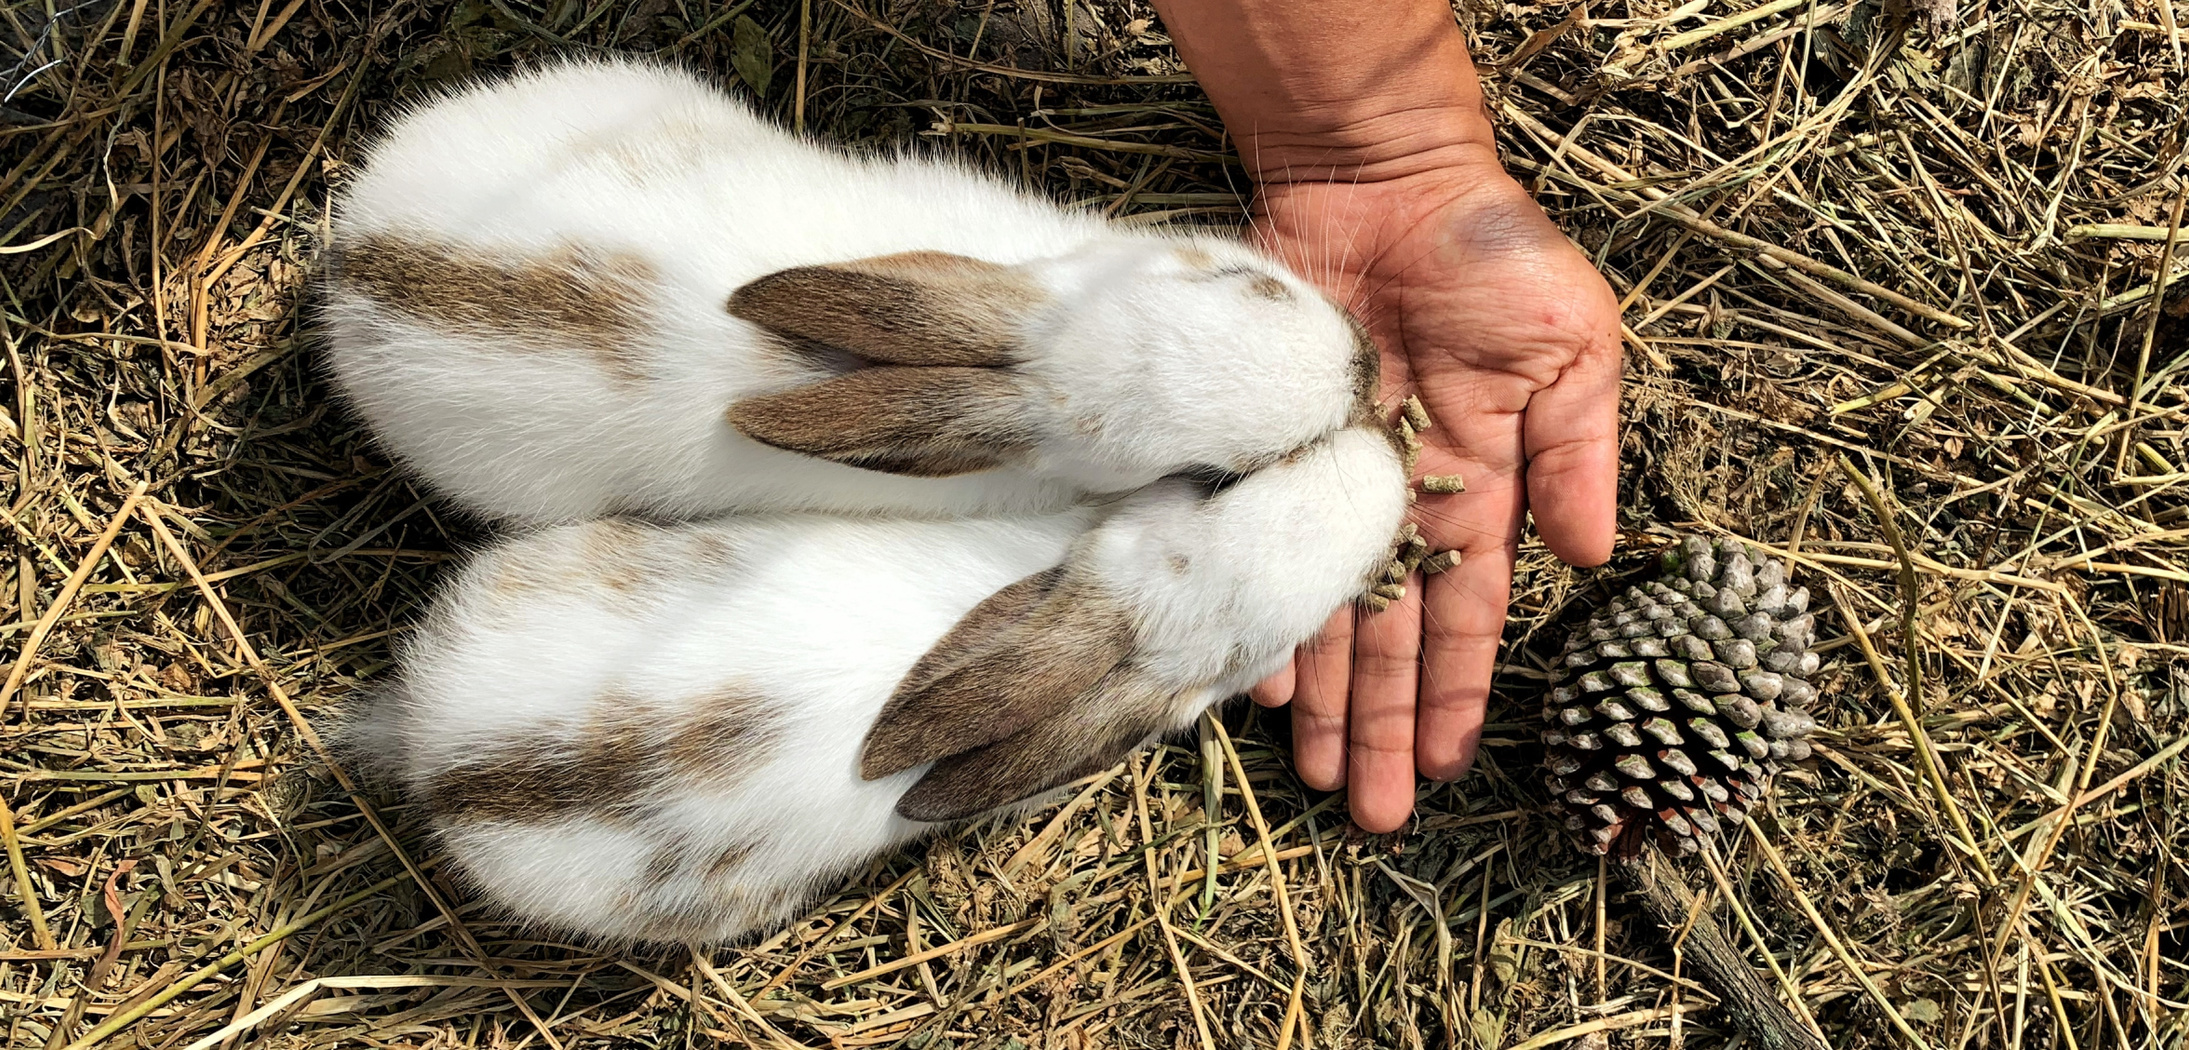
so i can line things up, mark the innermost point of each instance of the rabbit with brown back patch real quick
(605, 287)
(681, 732)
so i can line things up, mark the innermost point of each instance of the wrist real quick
(1368, 146)
(1401, 185)
(1337, 90)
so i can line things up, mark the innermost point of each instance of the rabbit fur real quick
(526, 300)
(950, 497)
(654, 733)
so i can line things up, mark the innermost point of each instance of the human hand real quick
(1510, 338)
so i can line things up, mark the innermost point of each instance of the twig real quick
(1660, 203)
(61, 601)
(1162, 907)
(970, 941)
(1715, 865)
(805, 50)
(1065, 138)
(1831, 939)
(1301, 962)
(2118, 232)
(124, 1018)
(1745, 996)
(1910, 708)
(1753, 14)
(2151, 321)
(1613, 1023)
(707, 970)
(26, 894)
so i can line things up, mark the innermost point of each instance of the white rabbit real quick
(654, 732)
(547, 293)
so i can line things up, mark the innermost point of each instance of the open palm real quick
(1511, 339)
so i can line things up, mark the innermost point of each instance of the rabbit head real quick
(1112, 365)
(1177, 600)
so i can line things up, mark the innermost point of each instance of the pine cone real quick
(1677, 702)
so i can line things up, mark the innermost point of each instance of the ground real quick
(1965, 213)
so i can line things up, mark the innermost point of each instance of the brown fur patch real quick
(518, 578)
(912, 308)
(732, 857)
(711, 550)
(925, 422)
(1259, 284)
(1236, 659)
(627, 753)
(666, 860)
(621, 554)
(596, 298)
(1367, 366)
(615, 550)
(1091, 733)
(720, 903)
(674, 857)
(1367, 369)
(1029, 650)
(670, 146)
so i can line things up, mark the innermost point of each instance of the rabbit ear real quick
(927, 422)
(1093, 732)
(1021, 655)
(912, 308)
(939, 326)
(977, 633)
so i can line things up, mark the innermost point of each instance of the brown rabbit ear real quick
(1021, 655)
(1092, 733)
(927, 422)
(912, 308)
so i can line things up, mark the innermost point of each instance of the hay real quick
(1934, 251)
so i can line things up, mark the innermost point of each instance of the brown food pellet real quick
(1409, 447)
(1439, 562)
(1443, 483)
(1416, 415)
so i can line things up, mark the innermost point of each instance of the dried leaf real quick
(752, 55)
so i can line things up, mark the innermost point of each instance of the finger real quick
(1380, 717)
(1324, 667)
(1465, 618)
(1571, 438)
(1275, 690)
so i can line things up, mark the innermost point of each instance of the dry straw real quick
(1895, 308)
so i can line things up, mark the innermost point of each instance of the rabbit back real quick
(651, 733)
(527, 284)
(680, 732)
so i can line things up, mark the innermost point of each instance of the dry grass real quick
(1932, 253)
